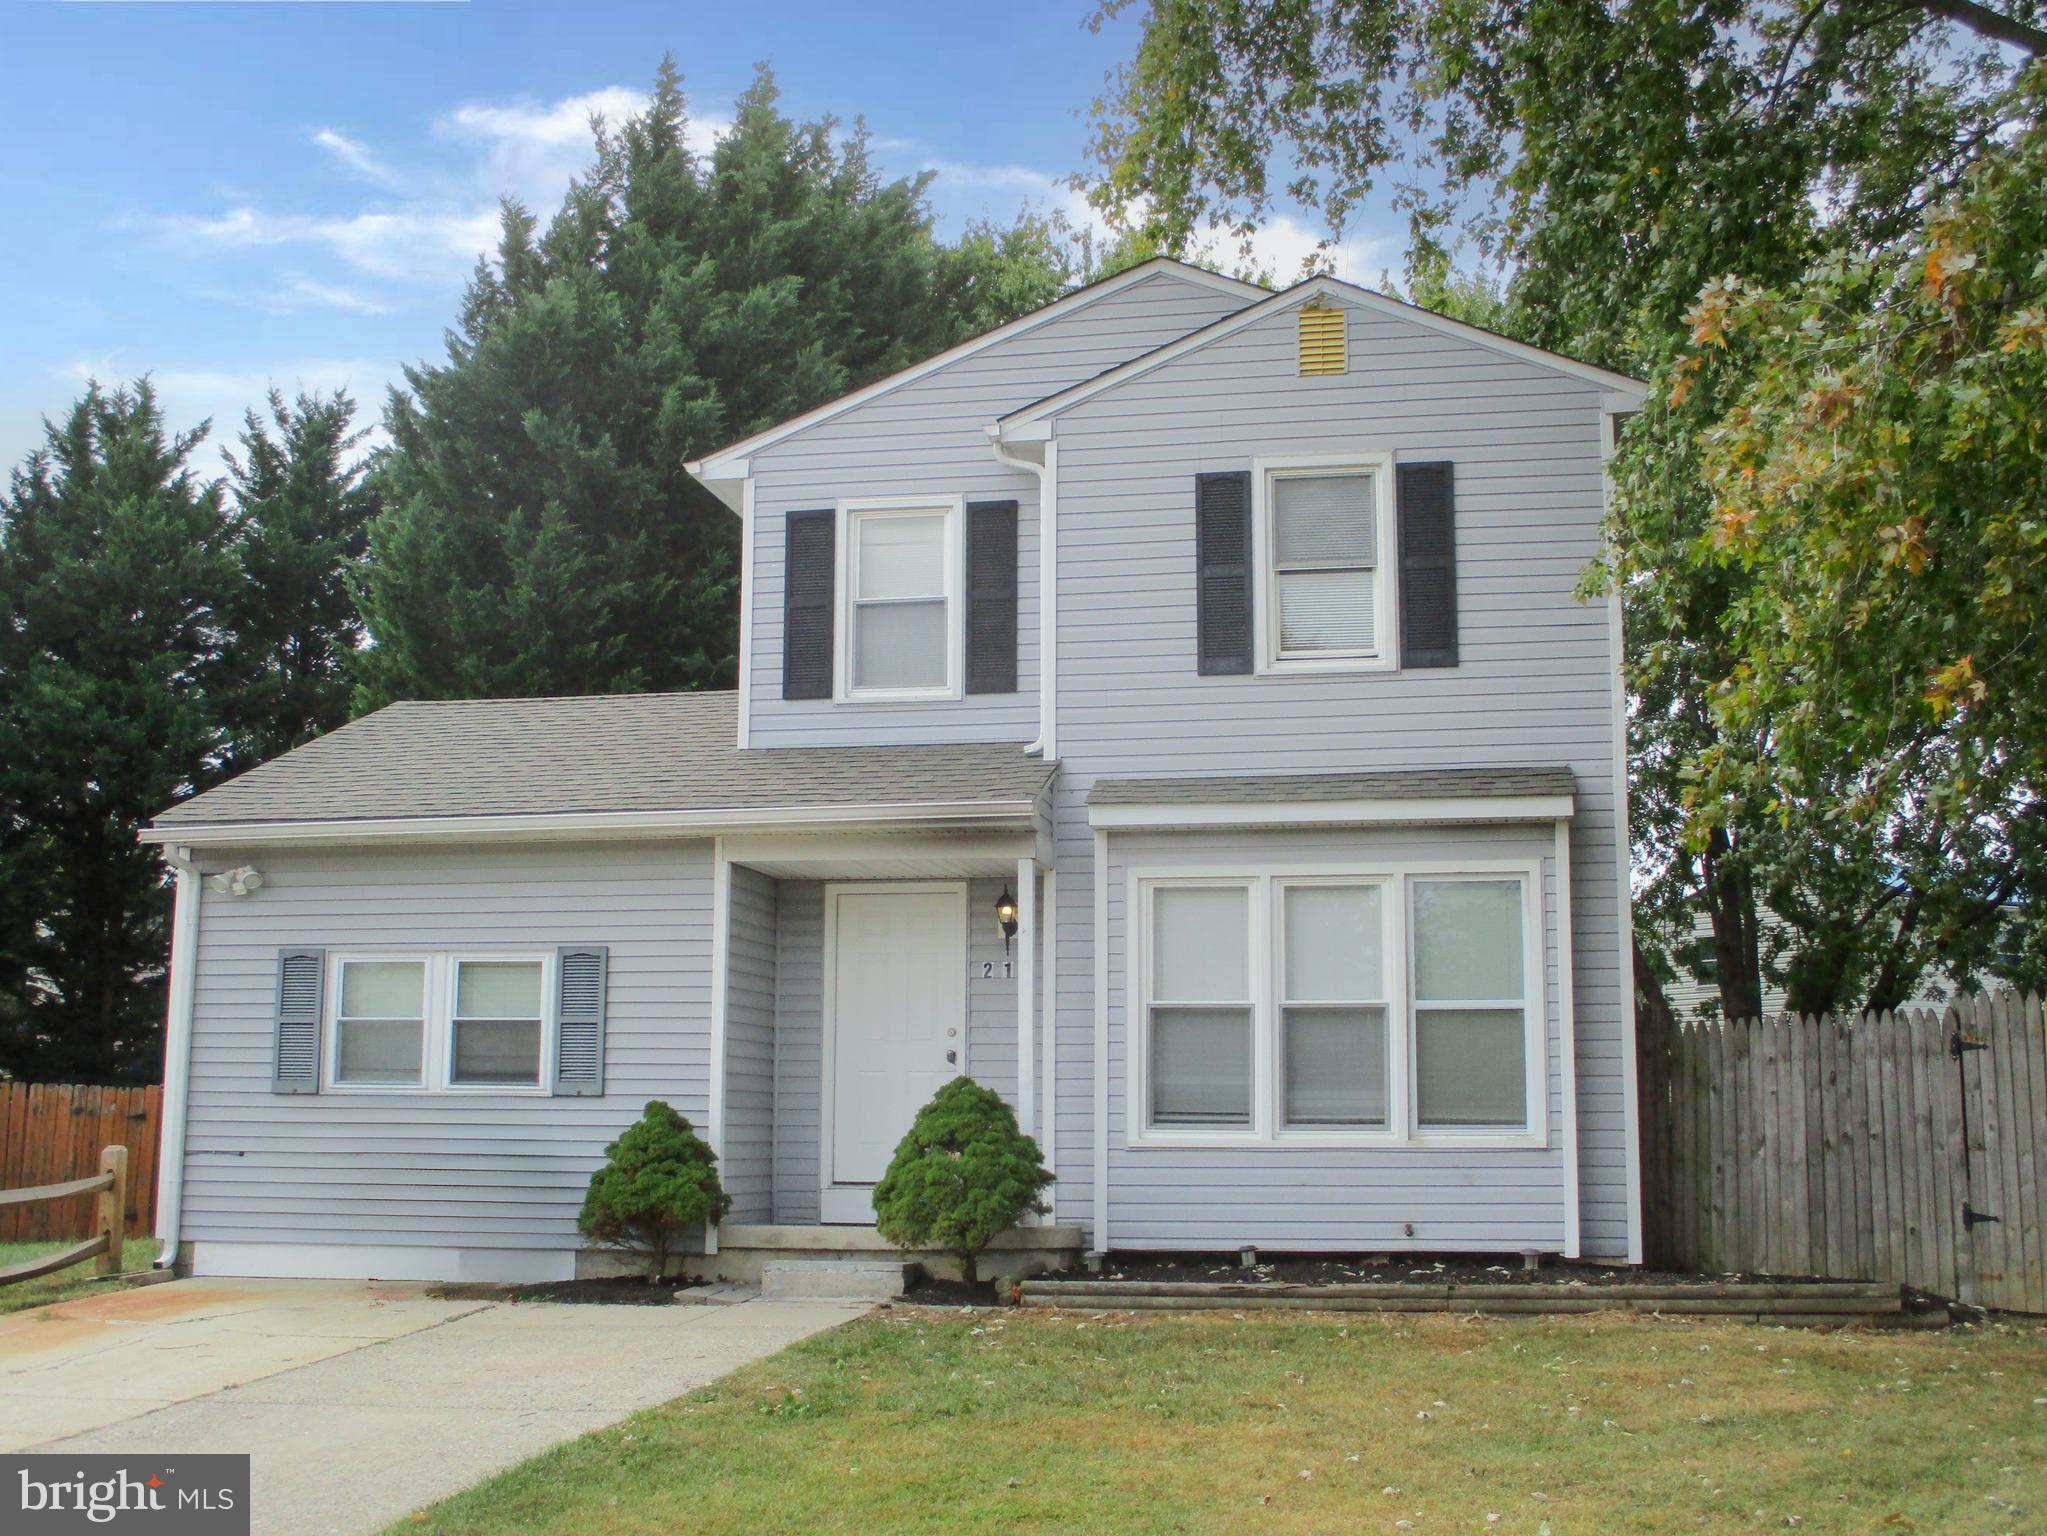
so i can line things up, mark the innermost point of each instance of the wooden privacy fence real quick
(108, 1189)
(51, 1133)
(1907, 1147)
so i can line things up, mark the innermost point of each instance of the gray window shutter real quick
(301, 998)
(1222, 581)
(808, 577)
(579, 979)
(991, 597)
(1428, 565)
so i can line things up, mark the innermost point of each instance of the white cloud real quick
(296, 295)
(355, 156)
(415, 242)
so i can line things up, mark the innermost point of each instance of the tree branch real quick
(1985, 22)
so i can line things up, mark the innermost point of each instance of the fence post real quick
(113, 1208)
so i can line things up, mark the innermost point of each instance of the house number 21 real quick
(988, 968)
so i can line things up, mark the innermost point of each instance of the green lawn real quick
(914, 1421)
(137, 1253)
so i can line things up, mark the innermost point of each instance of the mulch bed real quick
(624, 1290)
(1356, 1270)
(927, 1292)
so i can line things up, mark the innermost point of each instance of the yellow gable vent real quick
(1322, 341)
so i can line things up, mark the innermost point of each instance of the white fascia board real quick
(1000, 815)
(728, 484)
(1468, 810)
(719, 465)
(1019, 425)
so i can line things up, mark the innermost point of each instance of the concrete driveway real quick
(358, 1402)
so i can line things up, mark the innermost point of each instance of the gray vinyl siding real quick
(928, 438)
(1533, 684)
(445, 1170)
(799, 1049)
(748, 1164)
(1335, 1198)
(799, 1053)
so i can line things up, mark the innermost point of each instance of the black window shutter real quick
(991, 597)
(301, 997)
(808, 577)
(1428, 565)
(579, 980)
(1222, 582)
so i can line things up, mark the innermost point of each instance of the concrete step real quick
(832, 1280)
(715, 1294)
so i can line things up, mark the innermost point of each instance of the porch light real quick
(1005, 914)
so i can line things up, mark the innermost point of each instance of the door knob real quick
(952, 1058)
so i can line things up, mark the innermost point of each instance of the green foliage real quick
(302, 508)
(157, 639)
(541, 534)
(1878, 481)
(113, 562)
(658, 1180)
(963, 1175)
(1615, 159)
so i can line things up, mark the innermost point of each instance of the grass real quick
(912, 1421)
(136, 1254)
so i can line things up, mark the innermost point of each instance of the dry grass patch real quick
(913, 1421)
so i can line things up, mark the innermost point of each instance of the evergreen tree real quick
(540, 535)
(302, 504)
(113, 560)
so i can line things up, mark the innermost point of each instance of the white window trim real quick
(1534, 1010)
(1385, 587)
(437, 1045)
(1267, 1131)
(848, 512)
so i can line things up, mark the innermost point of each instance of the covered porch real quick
(855, 974)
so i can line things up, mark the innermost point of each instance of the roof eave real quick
(730, 462)
(958, 815)
(1431, 810)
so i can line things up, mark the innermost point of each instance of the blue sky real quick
(229, 196)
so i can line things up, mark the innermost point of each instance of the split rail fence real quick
(1906, 1147)
(52, 1133)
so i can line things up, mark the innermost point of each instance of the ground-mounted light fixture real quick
(1005, 914)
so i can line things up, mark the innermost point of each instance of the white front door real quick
(895, 1025)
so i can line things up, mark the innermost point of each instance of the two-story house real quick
(1171, 708)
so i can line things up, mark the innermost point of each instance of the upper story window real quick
(1325, 542)
(902, 601)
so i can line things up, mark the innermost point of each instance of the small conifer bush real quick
(658, 1180)
(965, 1174)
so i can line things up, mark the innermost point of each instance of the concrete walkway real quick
(358, 1402)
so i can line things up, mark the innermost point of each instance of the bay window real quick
(1397, 1005)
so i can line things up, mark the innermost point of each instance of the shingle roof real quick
(611, 753)
(1395, 784)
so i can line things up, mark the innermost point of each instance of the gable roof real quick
(729, 462)
(625, 762)
(1018, 424)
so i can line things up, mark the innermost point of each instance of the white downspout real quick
(177, 1053)
(1047, 744)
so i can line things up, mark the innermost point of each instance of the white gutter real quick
(1047, 744)
(1000, 814)
(177, 1053)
